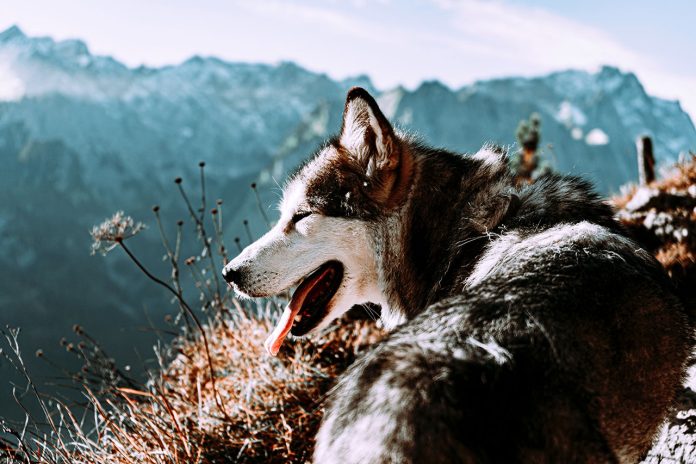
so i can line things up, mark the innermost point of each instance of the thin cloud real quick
(541, 41)
(477, 39)
(533, 35)
(338, 21)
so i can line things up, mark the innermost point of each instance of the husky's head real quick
(322, 242)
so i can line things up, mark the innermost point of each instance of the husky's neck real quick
(456, 207)
(438, 229)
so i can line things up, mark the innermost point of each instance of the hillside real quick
(270, 407)
(83, 135)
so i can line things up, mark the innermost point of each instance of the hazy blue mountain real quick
(83, 135)
(590, 120)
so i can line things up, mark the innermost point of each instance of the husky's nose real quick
(230, 274)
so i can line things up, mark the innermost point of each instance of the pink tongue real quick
(282, 328)
(275, 340)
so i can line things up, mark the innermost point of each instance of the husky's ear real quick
(367, 135)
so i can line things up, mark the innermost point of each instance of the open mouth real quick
(308, 305)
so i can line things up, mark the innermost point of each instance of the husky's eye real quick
(300, 215)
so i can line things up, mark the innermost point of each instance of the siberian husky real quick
(526, 327)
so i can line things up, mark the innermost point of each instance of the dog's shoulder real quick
(563, 247)
(558, 216)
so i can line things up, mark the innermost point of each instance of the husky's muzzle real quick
(234, 276)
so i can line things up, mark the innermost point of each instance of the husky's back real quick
(567, 350)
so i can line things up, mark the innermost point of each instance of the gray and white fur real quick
(526, 326)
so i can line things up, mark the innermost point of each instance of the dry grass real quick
(259, 408)
(272, 406)
(662, 217)
(681, 177)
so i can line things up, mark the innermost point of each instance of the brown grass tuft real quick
(662, 217)
(273, 405)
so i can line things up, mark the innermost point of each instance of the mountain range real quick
(82, 136)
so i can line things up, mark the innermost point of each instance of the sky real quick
(394, 42)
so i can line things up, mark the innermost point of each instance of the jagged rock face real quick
(676, 441)
(83, 135)
(591, 120)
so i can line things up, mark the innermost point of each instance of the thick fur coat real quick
(527, 326)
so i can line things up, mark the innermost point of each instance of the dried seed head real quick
(77, 329)
(219, 202)
(179, 223)
(155, 208)
(214, 211)
(201, 163)
(113, 231)
(177, 180)
(39, 353)
(253, 185)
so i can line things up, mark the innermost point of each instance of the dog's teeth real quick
(298, 318)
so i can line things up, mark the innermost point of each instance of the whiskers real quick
(489, 235)
(371, 312)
